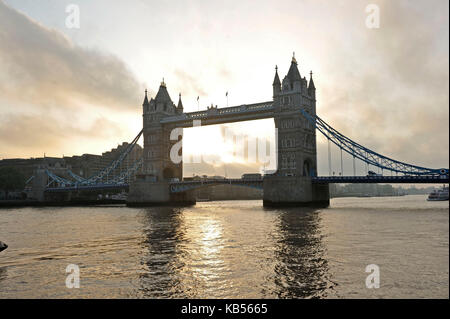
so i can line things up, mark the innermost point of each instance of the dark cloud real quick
(41, 66)
(393, 92)
(39, 133)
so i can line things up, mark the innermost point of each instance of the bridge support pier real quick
(144, 192)
(282, 191)
(38, 185)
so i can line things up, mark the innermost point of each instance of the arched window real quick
(307, 168)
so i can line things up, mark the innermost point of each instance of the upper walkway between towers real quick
(214, 115)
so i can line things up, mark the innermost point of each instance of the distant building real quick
(85, 165)
(27, 166)
(373, 190)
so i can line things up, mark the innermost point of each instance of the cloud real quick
(393, 91)
(51, 89)
(40, 133)
(385, 88)
(43, 67)
(189, 84)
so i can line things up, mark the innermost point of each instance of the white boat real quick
(438, 194)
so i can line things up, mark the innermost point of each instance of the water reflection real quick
(301, 269)
(164, 232)
(205, 253)
(184, 254)
(3, 273)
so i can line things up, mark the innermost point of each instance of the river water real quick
(229, 249)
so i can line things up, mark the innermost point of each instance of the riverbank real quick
(35, 203)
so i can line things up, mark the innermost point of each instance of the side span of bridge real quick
(182, 186)
(419, 179)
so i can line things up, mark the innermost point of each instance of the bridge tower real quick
(157, 143)
(152, 186)
(296, 144)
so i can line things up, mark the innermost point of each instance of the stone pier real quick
(288, 191)
(146, 192)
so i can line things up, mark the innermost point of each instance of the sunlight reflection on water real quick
(234, 249)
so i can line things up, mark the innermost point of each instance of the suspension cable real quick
(329, 158)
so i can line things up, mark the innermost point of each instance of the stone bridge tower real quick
(152, 186)
(296, 143)
(157, 142)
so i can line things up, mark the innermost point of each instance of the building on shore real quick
(85, 165)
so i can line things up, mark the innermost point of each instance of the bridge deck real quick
(424, 179)
(182, 186)
(177, 187)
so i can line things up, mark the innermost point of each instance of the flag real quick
(198, 97)
(226, 94)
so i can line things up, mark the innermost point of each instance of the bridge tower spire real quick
(145, 103)
(311, 86)
(180, 105)
(276, 83)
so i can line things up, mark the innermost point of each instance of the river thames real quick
(229, 249)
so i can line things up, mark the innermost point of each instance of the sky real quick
(69, 91)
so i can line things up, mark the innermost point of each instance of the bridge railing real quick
(409, 179)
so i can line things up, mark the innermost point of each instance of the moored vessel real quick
(438, 194)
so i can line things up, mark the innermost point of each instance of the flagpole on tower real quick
(227, 97)
(198, 103)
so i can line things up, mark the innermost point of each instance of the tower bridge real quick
(159, 179)
(297, 159)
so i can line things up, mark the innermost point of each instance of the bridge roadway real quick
(176, 187)
(412, 179)
(182, 186)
